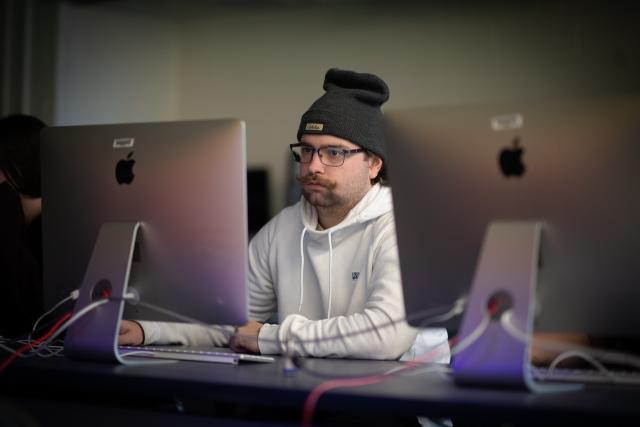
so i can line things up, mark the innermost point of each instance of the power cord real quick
(29, 346)
(589, 354)
(73, 295)
(585, 356)
(60, 326)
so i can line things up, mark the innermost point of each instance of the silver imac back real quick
(571, 165)
(183, 182)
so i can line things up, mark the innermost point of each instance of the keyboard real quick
(586, 376)
(194, 354)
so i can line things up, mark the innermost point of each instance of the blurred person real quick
(20, 224)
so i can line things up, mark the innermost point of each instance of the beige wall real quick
(265, 65)
(113, 66)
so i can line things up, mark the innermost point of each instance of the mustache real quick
(316, 179)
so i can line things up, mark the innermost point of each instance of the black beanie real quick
(350, 109)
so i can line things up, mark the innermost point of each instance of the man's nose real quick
(315, 165)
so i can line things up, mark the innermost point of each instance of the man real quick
(328, 265)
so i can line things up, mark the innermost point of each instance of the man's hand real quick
(245, 339)
(131, 333)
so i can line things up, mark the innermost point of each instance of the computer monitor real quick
(571, 166)
(177, 190)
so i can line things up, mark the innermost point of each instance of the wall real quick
(28, 51)
(114, 66)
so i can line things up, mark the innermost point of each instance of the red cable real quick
(315, 394)
(30, 345)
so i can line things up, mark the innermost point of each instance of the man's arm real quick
(262, 306)
(161, 333)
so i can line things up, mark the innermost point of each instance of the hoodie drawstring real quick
(330, 274)
(304, 231)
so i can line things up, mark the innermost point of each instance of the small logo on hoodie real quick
(355, 275)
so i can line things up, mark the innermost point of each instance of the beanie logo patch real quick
(314, 126)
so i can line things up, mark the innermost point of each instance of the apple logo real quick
(124, 170)
(510, 160)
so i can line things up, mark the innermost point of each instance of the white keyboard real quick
(195, 354)
(586, 376)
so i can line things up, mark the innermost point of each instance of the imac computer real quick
(536, 202)
(153, 210)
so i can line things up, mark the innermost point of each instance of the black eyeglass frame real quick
(345, 153)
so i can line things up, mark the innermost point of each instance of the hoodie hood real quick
(375, 203)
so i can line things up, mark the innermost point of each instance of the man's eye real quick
(335, 152)
(306, 150)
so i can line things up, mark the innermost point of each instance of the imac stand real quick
(95, 335)
(506, 276)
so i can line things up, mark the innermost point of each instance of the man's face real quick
(336, 186)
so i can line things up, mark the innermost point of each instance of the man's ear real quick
(375, 165)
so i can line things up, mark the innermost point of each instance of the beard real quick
(326, 198)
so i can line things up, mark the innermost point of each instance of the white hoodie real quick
(336, 292)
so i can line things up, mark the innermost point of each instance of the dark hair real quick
(20, 152)
(382, 174)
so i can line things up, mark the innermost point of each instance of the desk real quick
(196, 394)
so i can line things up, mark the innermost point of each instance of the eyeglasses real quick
(329, 156)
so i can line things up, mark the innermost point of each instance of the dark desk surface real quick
(265, 386)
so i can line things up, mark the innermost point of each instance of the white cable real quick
(464, 343)
(572, 353)
(25, 355)
(49, 351)
(10, 350)
(439, 367)
(73, 320)
(304, 230)
(458, 307)
(44, 350)
(72, 296)
(506, 320)
(473, 336)
(68, 323)
(330, 274)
